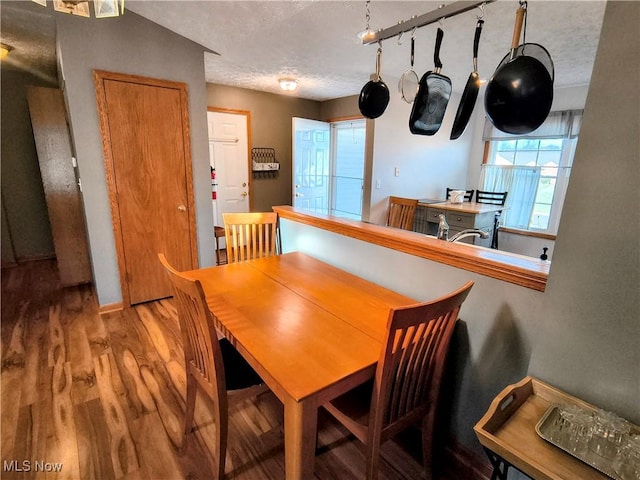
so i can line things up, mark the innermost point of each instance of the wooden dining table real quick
(311, 330)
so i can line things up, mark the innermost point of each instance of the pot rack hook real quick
(441, 19)
(413, 32)
(400, 38)
(481, 8)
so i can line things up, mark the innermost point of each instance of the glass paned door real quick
(311, 155)
(328, 166)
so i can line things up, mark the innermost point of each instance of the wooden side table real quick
(507, 433)
(218, 232)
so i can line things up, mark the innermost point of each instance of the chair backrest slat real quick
(250, 235)
(401, 212)
(202, 350)
(493, 198)
(412, 360)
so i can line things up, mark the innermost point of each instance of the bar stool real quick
(218, 232)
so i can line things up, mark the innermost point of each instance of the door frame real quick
(99, 76)
(247, 115)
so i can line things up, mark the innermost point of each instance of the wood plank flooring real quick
(89, 396)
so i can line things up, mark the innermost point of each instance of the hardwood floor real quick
(102, 396)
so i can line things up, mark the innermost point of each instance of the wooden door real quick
(64, 204)
(229, 148)
(145, 135)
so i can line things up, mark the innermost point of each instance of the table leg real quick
(500, 466)
(300, 425)
(217, 252)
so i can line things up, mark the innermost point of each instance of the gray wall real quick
(24, 214)
(593, 296)
(582, 333)
(270, 127)
(131, 45)
(340, 108)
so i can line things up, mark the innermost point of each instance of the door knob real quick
(299, 194)
(244, 194)
(182, 208)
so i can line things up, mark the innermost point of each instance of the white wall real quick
(427, 164)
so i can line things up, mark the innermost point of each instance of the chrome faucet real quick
(470, 232)
(443, 228)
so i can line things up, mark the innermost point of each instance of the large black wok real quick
(518, 96)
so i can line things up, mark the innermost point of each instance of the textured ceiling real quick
(315, 41)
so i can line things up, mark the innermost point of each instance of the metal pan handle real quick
(436, 53)
(476, 43)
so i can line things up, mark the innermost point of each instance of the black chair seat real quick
(238, 373)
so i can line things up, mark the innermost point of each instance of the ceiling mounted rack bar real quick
(445, 11)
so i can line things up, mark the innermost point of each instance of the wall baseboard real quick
(35, 258)
(110, 307)
(460, 462)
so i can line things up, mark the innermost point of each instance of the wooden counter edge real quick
(517, 269)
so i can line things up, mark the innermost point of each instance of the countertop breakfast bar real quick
(312, 332)
(510, 267)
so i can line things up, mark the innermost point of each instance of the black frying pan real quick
(470, 93)
(519, 95)
(374, 96)
(432, 99)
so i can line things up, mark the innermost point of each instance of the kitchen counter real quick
(459, 216)
(466, 207)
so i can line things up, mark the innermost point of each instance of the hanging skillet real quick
(408, 84)
(470, 93)
(374, 96)
(519, 95)
(432, 99)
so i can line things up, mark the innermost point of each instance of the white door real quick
(229, 157)
(311, 156)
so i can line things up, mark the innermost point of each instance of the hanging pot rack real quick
(445, 11)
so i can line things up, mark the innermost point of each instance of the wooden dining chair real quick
(401, 212)
(468, 196)
(251, 235)
(213, 365)
(406, 386)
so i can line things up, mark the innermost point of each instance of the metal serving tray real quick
(545, 428)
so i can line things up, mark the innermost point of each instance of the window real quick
(534, 169)
(347, 176)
